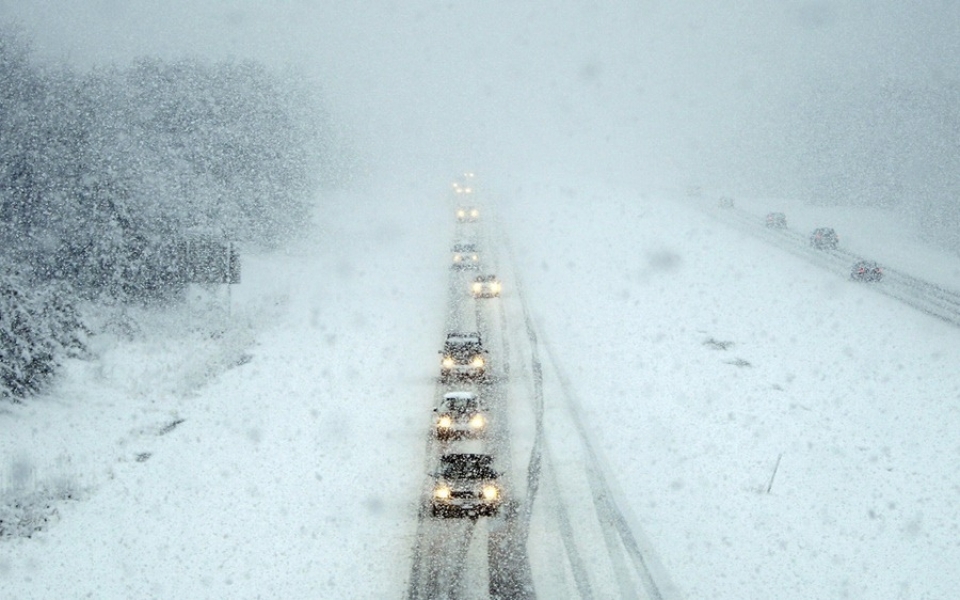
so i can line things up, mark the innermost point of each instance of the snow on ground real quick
(295, 474)
(703, 357)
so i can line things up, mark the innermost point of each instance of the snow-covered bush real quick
(39, 327)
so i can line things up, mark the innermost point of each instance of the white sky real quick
(706, 91)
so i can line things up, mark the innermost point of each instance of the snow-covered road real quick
(765, 428)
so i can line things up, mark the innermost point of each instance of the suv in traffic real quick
(776, 220)
(463, 356)
(465, 256)
(824, 238)
(486, 286)
(465, 486)
(866, 270)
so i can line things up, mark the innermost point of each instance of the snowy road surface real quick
(491, 557)
(770, 428)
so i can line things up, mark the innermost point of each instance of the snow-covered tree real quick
(107, 176)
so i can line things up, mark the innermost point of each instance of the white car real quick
(460, 415)
(468, 214)
(486, 286)
(465, 256)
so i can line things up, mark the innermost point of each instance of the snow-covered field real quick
(704, 361)
(703, 357)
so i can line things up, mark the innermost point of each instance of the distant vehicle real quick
(460, 415)
(465, 184)
(866, 270)
(466, 486)
(486, 286)
(725, 202)
(465, 256)
(776, 220)
(468, 214)
(463, 356)
(824, 238)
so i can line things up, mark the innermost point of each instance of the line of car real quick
(465, 483)
(825, 238)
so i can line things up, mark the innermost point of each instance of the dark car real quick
(824, 238)
(463, 356)
(776, 220)
(465, 486)
(460, 415)
(866, 270)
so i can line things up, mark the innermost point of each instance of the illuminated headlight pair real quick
(489, 492)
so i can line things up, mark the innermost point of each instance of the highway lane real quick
(563, 530)
(929, 298)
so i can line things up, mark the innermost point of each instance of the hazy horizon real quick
(654, 94)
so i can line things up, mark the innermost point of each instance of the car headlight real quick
(477, 288)
(445, 422)
(495, 287)
(441, 492)
(477, 362)
(457, 258)
(490, 492)
(461, 214)
(447, 362)
(477, 421)
(474, 213)
(475, 258)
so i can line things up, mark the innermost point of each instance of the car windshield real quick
(467, 466)
(464, 248)
(463, 339)
(461, 403)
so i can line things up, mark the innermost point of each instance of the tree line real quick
(105, 173)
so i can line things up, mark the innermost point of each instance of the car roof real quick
(464, 337)
(484, 460)
(459, 395)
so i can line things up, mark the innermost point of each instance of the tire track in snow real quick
(611, 518)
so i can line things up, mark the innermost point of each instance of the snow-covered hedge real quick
(39, 327)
